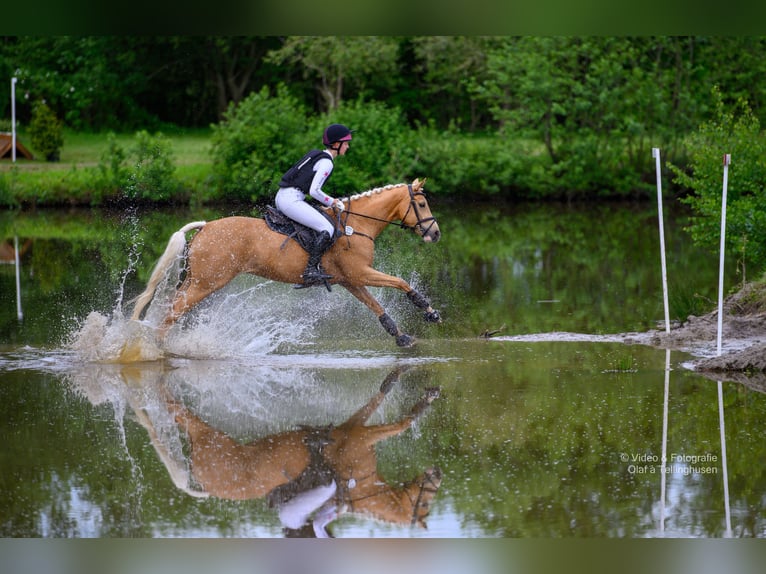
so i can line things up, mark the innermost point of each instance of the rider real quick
(308, 176)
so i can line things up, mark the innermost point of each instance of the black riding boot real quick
(314, 274)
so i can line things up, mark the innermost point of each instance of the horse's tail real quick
(175, 246)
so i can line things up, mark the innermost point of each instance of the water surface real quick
(534, 436)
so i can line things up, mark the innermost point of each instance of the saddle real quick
(304, 236)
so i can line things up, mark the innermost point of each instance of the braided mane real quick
(372, 192)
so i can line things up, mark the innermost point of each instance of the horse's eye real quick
(422, 204)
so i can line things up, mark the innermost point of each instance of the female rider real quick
(308, 176)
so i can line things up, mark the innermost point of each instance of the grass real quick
(189, 147)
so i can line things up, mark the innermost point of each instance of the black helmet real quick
(336, 133)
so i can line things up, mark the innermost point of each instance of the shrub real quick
(149, 175)
(46, 132)
(381, 152)
(738, 133)
(257, 141)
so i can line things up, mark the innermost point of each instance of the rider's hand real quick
(339, 205)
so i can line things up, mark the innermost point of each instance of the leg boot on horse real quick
(314, 274)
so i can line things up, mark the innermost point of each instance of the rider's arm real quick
(322, 170)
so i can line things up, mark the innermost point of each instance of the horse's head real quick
(417, 214)
(422, 492)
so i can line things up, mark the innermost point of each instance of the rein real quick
(412, 207)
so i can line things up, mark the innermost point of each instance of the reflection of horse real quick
(226, 247)
(283, 465)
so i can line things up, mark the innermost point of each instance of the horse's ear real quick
(418, 183)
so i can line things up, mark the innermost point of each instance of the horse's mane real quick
(373, 191)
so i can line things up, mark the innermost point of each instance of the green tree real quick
(46, 132)
(339, 62)
(596, 104)
(257, 141)
(449, 66)
(736, 131)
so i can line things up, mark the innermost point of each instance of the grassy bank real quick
(177, 168)
(81, 176)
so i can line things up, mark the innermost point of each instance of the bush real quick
(46, 132)
(737, 133)
(257, 141)
(148, 177)
(381, 151)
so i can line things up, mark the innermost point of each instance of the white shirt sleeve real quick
(322, 170)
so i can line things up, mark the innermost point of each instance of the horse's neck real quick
(381, 205)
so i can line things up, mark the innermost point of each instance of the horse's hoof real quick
(432, 316)
(405, 340)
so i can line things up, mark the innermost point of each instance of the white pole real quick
(663, 475)
(656, 156)
(18, 276)
(727, 510)
(13, 119)
(658, 169)
(726, 162)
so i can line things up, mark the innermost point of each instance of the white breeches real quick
(292, 202)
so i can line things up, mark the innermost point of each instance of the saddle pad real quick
(279, 222)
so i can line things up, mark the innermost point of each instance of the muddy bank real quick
(743, 342)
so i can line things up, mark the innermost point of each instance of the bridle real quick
(420, 223)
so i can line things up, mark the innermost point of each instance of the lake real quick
(273, 412)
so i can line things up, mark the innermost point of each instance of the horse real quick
(224, 248)
(281, 466)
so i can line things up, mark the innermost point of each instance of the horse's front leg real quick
(374, 278)
(361, 293)
(431, 315)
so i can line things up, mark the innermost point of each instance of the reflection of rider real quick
(308, 176)
(311, 493)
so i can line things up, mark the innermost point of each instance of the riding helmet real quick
(336, 133)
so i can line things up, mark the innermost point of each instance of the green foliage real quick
(734, 131)
(257, 142)
(338, 62)
(595, 104)
(145, 172)
(7, 198)
(46, 132)
(265, 134)
(476, 165)
(382, 150)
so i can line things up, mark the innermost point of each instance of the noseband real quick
(420, 220)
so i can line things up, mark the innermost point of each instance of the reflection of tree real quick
(499, 261)
(548, 429)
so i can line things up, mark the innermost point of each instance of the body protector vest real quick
(301, 174)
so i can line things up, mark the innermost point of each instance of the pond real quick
(272, 412)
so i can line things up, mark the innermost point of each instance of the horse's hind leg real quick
(187, 296)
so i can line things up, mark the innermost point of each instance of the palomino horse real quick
(283, 465)
(226, 247)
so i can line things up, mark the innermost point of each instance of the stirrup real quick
(317, 278)
(313, 284)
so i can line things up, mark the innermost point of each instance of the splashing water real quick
(241, 320)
